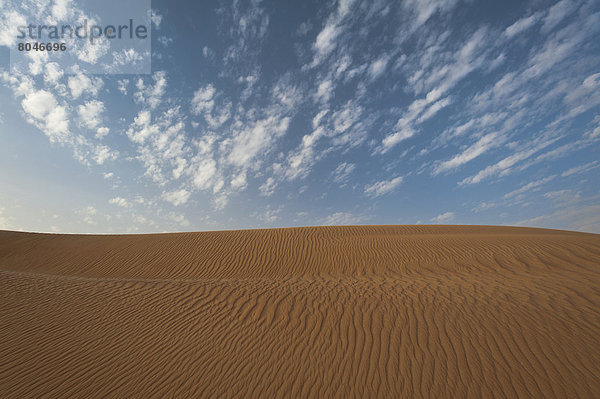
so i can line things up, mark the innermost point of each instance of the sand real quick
(370, 311)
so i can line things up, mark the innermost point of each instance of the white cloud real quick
(122, 85)
(343, 219)
(424, 9)
(581, 169)
(268, 187)
(47, 115)
(325, 42)
(204, 173)
(534, 185)
(324, 90)
(342, 172)
(203, 100)
(156, 18)
(505, 164)
(102, 132)
(88, 213)
(557, 13)
(563, 197)
(119, 201)
(177, 197)
(151, 95)
(250, 141)
(393, 139)
(434, 108)
(481, 146)
(62, 9)
(90, 113)
(220, 201)
(179, 219)
(9, 21)
(521, 25)
(80, 84)
(102, 153)
(269, 215)
(382, 187)
(39, 104)
(377, 67)
(53, 73)
(484, 206)
(579, 218)
(239, 182)
(443, 218)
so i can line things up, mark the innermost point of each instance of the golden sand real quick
(370, 311)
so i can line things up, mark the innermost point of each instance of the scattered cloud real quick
(383, 187)
(119, 201)
(443, 218)
(178, 197)
(343, 219)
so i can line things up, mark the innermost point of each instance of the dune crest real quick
(358, 311)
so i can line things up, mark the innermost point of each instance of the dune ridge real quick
(356, 311)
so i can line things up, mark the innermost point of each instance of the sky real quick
(258, 114)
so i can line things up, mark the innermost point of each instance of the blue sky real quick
(272, 114)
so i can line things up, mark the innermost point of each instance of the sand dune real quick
(372, 311)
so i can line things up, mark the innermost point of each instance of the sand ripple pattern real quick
(369, 311)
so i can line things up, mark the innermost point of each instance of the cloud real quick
(423, 10)
(102, 132)
(343, 219)
(563, 197)
(481, 146)
(156, 18)
(239, 182)
(122, 85)
(203, 103)
(504, 165)
(377, 67)
(102, 153)
(268, 187)
(580, 218)
(382, 187)
(47, 115)
(177, 197)
(529, 186)
(443, 218)
(521, 25)
(557, 13)
(53, 73)
(119, 201)
(581, 169)
(87, 214)
(151, 95)
(484, 206)
(269, 215)
(342, 172)
(179, 219)
(80, 84)
(90, 113)
(203, 100)
(392, 140)
(250, 141)
(326, 40)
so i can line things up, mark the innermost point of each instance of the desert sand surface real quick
(364, 311)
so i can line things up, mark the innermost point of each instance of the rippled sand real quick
(370, 311)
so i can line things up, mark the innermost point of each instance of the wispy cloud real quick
(383, 187)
